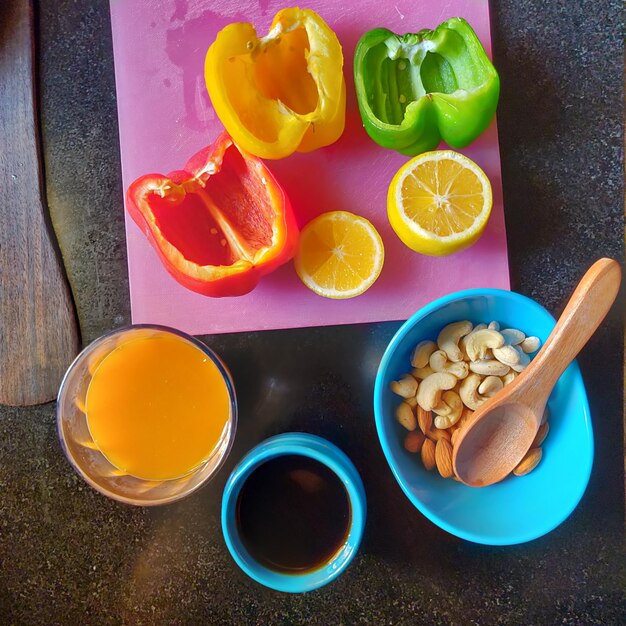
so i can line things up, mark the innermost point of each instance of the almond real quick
(424, 419)
(529, 462)
(454, 437)
(443, 457)
(438, 433)
(428, 454)
(542, 433)
(544, 417)
(465, 415)
(413, 441)
(405, 416)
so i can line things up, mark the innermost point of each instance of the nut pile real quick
(451, 378)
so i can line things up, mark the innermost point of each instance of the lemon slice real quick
(340, 255)
(439, 202)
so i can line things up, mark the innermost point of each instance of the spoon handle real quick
(584, 312)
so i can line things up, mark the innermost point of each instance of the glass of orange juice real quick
(147, 414)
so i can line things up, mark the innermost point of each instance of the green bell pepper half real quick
(416, 89)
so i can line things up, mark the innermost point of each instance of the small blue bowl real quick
(518, 509)
(330, 455)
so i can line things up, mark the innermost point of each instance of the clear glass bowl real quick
(85, 456)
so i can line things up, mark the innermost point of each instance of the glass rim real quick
(231, 423)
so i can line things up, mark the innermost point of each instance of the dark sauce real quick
(293, 514)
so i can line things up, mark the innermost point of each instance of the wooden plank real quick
(38, 330)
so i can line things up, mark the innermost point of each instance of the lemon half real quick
(439, 202)
(340, 255)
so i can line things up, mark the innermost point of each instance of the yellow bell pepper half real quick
(281, 93)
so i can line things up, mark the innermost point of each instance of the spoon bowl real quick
(510, 431)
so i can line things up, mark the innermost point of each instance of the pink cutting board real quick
(165, 116)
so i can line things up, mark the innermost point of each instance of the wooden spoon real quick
(498, 435)
(38, 328)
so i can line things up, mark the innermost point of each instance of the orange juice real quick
(157, 406)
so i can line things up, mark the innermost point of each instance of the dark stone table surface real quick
(70, 556)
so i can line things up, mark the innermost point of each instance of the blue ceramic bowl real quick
(517, 509)
(324, 452)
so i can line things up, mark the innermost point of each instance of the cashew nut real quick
(422, 352)
(469, 392)
(430, 389)
(412, 402)
(460, 369)
(405, 387)
(521, 358)
(465, 415)
(449, 337)
(493, 325)
(506, 354)
(509, 377)
(439, 363)
(480, 341)
(441, 408)
(438, 360)
(522, 365)
(422, 372)
(463, 342)
(489, 367)
(490, 386)
(455, 404)
(445, 421)
(530, 344)
(512, 336)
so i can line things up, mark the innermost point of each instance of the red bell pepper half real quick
(220, 224)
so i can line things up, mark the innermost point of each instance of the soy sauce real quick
(293, 514)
